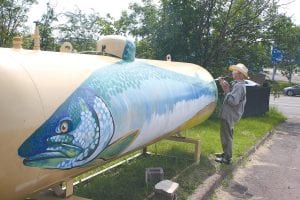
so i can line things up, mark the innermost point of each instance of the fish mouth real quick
(53, 156)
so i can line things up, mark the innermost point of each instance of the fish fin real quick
(119, 146)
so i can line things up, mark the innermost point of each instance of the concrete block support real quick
(166, 190)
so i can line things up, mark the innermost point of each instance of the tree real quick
(83, 30)
(237, 31)
(78, 30)
(179, 30)
(13, 15)
(287, 38)
(122, 25)
(211, 33)
(141, 22)
(46, 29)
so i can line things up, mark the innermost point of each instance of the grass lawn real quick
(128, 180)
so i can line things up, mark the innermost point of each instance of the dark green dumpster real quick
(257, 100)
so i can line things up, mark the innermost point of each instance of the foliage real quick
(141, 22)
(13, 15)
(143, 18)
(83, 30)
(144, 49)
(213, 34)
(123, 24)
(27, 41)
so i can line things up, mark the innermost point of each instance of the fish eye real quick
(64, 127)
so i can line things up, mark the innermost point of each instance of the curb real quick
(205, 190)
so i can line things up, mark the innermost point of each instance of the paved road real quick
(273, 171)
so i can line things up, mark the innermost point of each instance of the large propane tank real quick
(62, 114)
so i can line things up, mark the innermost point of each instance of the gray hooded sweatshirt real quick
(234, 103)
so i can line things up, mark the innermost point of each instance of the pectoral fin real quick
(119, 146)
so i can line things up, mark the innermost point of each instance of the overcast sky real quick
(291, 8)
(114, 7)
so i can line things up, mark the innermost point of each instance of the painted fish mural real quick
(82, 127)
(63, 114)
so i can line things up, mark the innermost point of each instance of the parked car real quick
(291, 91)
(251, 83)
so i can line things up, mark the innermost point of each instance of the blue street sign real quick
(277, 55)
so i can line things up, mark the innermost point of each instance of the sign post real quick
(276, 58)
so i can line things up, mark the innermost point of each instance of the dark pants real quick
(226, 135)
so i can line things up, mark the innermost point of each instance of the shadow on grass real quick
(128, 180)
